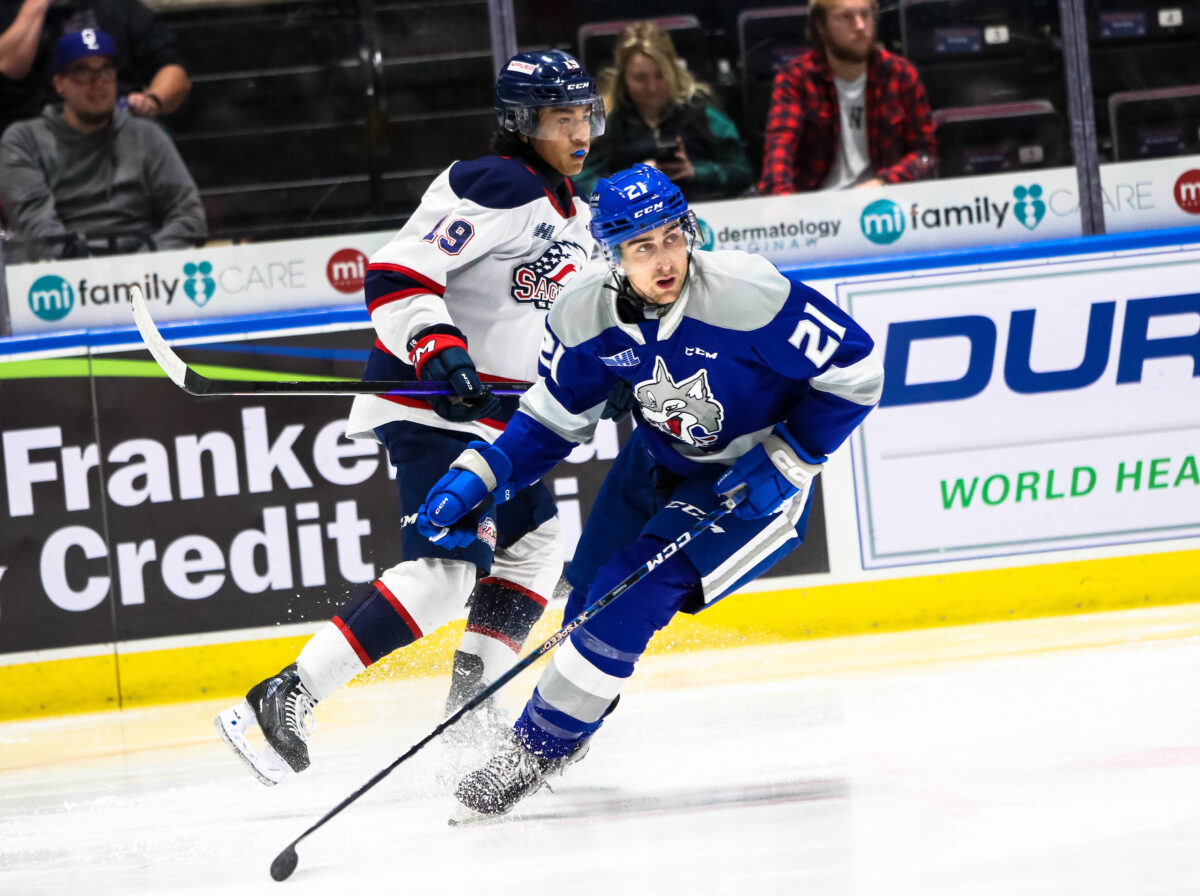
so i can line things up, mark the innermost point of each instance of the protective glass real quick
(562, 122)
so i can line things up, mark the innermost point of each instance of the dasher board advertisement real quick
(1031, 407)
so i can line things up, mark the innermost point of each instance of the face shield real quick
(561, 122)
(688, 225)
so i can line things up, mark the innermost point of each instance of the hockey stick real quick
(285, 862)
(197, 384)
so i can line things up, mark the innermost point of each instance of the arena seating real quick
(312, 116)
(1152, 123)
(1005, 137)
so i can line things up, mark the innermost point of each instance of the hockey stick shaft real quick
(285, 862)
(197, 384)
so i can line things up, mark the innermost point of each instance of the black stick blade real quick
(284, 864)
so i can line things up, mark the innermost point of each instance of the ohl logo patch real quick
(540, 281)
(686, 409)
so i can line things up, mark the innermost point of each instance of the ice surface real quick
(1043, 757)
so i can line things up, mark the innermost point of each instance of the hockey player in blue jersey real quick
(743, 381)
(460, 295)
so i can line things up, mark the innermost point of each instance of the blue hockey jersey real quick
(742, 350)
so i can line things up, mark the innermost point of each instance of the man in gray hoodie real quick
(90, 170)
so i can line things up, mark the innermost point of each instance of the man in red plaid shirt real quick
(846, 112)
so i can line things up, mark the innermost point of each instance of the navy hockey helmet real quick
(538, 80)
(636, 201)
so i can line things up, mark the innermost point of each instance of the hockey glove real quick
(440, 354)
(773, 472)
(620, 402)
(479, 474)
(459, 534)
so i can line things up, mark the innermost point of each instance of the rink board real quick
(150, 674)
(189, 552)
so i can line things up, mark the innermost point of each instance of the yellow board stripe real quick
(228, 670)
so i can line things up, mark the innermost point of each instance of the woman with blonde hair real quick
(657, 113)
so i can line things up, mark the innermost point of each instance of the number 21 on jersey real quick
(807, 336)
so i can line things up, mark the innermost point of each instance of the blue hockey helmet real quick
(544, 79)
(636, 201)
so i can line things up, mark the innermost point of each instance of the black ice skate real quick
(484, 727)
(512, 774)
(283, 709)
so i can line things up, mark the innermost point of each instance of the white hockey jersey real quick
(488, 250)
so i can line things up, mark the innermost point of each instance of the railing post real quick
(1082, 113)
(504, 32)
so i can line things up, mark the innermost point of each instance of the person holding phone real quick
(658, 114)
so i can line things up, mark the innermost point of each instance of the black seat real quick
(1006, 137)
(1137, 45)
(767, 39)
(597, 39)
(1153, 123)
(984, 52)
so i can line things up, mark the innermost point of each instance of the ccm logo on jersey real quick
(540, 281)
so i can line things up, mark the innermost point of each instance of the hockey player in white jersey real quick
(743, 382)
(460, 295)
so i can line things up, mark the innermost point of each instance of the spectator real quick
(150, 73)
(659, 114)
(846, 112)
(91, 168)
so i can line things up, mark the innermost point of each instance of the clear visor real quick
(562, 122)
(687, 228)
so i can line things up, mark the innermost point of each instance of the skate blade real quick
(233, 725)
(463, 817)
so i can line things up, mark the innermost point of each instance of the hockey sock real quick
(404, 604)
(501, 616)
(588, 670)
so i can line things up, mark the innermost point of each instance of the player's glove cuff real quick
(430, 342)
(487, 462)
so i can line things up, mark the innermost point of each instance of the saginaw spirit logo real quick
(685, 409)
(540, 281)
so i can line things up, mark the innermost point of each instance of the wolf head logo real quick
(685, 410)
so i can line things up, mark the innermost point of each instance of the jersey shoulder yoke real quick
(497, 182)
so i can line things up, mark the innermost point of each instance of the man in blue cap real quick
(89, 169)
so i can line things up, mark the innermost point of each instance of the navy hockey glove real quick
(479, 474)
(620, 402)
(440, 354)
(773, 472)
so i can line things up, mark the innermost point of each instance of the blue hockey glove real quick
(440, 354)
(459, 534)
(480, 473)
(620, 402)
(772, 472)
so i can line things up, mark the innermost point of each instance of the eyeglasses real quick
(850, 16)
(85, 74)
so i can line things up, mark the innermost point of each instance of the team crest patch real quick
(540, 281)
(626, 358)
(486, 532)
(685, 409)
